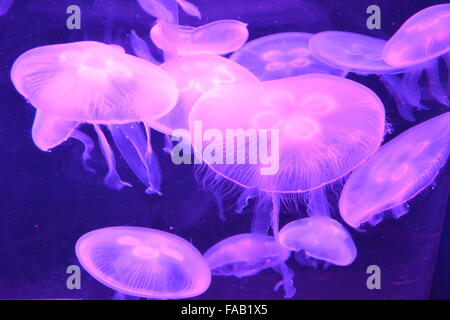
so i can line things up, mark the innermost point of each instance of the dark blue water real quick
(47, 200)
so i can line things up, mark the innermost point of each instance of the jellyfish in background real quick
(400, 170)
(144, 262)
(321, 238)
(418, 44)
(90, 82)
(195, 75)
(281, 55)
(247, 254)
(363, 55)
(4, 6)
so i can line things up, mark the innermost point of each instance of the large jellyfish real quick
(419, 43)
(400, 170)
(247, 254)
(321, 238)
(144, 262)
(90, 82)
(281, 55)
(194, 75)
(363, 55)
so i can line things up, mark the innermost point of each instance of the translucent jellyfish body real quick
(321, 238)
(288, 135)
(247, 254)
(281, 55)
(363, 55)
(144, 262)
(194, 75)
(401, 169)
(90, 82)
(421, 40)
(218, 37)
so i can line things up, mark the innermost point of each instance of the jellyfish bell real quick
(246, 255)
(144, 262)
(95, 83)
(423, 37)
(281, 55)
(400, 170)
(288, 135)
(194, 75)
(218, 37)
(321, 238)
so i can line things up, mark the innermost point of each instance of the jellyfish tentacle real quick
(135, 148)
(168, 144)
(141, 48)
(392, 84)
(318, 203)
(412, 89)
(261, 219)
(436, 89)
(112, 178)
(287, 282)
(244, 198)
(275, 215)
(88, 145)
(447, 63)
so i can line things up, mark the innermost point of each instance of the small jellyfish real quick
(400, 170)
(281, 55)
(320, 238)
(194, 75)
(90, 82)
(247, 254)
(144, 262)
(419, 43)
(363, 55)
(218, 37)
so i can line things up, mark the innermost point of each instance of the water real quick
(48, 201)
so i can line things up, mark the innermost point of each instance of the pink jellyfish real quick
(320, 238)
(144, 262)
(400, 170)
(363, 55)
(247, 254)
(90, 82)
(418, 45)
(281, 55)
(195, 75)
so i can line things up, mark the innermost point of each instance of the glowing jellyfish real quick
(90, 82)
(4, 6)
(400, 170)
(281, 55)
(363, 55)
(195, 75)
(320, 238)
(422, 40)
(218, 37)
(247, 254)
(144, 262)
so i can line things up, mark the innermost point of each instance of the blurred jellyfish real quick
(218, 37)
(321, 238)
(247, 254)
(166, 10)
(419, 43)
(141, 48)
(4, 6)
(195, 75)
(90, 82)
(400, 170)
(283, 137)
(363, 55)
(144, 262)
(281, 55)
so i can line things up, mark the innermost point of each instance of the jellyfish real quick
(4, 6)
(195, 75)
(283, 138)
(395, 174)
(363, 55)
(218, 37)
(141, 48)
(281, 55)
(90, 82)
(418, 44)
(246, 254)
(144, 262)
(321, 238)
